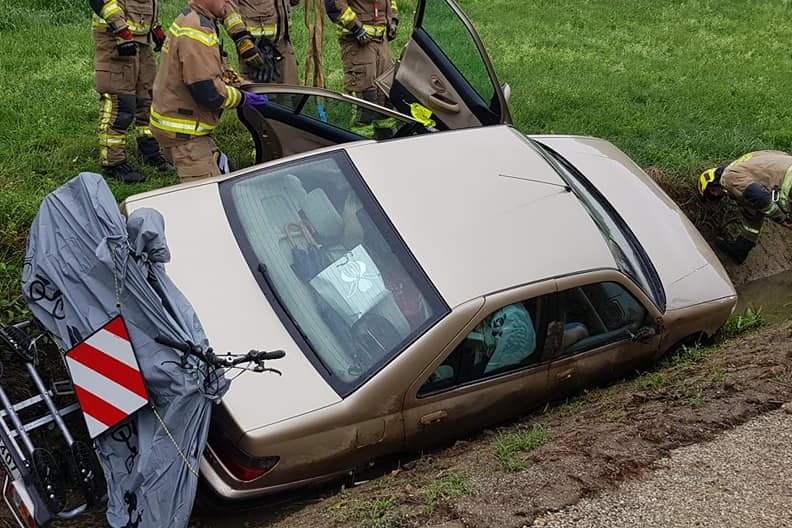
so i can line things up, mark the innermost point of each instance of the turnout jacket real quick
(374, 15)
(189, 91)
(760, 182)
(114, 15)
(262, 18)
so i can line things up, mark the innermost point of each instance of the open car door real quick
(299, 118)
(444, 68)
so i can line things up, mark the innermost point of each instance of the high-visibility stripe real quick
(138, 29)
(347, 17)
(180, 126)
(233, 97)
(95, 427)
(207, 39)
(786, 187)
(143, 130)
(263, 31)
(114, 345)
(109, 9)
(97, 408)
(112, 141)
(99, 386)
(233, 20)
(394, 7)
(373, 31)
(105, 115)
(110, 367)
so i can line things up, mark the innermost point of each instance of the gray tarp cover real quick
(87, 255)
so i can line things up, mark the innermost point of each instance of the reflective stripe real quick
(109, 9)
(138, 29)
(394, 7)
(105, 114)
(143, 130)
(233, 97)
(207, 39)
(263, 31)
(180, 126)
(347, 17)
(786, 187)
(97, 21)
(110, 140)
(373, 31)
(233, 20)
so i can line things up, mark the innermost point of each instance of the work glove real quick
(737, 250)
(393, 28)
(271, 57)
(361, 35)
(247, 50)
(158, 36)
(252, 99)
(125, 45)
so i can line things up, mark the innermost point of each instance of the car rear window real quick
(334, 267)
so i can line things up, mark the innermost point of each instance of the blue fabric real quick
(515, 338)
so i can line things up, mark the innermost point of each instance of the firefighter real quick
(190, 92)
(267, 21)
(760, 182)
(123, 34)
(365, 29)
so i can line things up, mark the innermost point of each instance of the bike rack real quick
(34, 487)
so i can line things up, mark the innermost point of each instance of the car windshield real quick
(343, 281)
(628, 253)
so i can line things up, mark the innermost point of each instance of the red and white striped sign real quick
(106, 376)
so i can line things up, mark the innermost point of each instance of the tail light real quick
(20, 504)
(241, 465)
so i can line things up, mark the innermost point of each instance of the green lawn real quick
(677, 85)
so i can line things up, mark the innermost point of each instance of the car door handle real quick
(432, 417)
(440, 102)
(565, 374)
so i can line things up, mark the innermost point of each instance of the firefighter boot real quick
(737, 250)
(150, 154)
(124, 173)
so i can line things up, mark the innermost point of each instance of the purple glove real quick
(254, 99)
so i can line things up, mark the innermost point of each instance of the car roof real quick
(481, 210)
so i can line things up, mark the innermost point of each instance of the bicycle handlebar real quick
(224, 361)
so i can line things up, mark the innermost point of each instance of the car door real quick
(300, 119)
(602, 327)
(444, 69)
(492, 372)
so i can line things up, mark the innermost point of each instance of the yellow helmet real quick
(707, 178)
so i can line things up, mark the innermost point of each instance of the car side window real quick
(594, 315)
(506, 340)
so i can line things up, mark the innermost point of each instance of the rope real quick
(314, 75)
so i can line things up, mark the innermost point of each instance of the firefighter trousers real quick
(124, 85)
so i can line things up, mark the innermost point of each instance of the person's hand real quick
(248, 51)
(361, 36)
(253, 99)
(393, 28)
(158, 36)
(125, 44)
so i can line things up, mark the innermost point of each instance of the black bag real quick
(308, 259)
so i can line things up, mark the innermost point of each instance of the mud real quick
(599, 438)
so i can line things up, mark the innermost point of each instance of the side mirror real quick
(506, 89)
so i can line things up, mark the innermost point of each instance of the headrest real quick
(322, 215)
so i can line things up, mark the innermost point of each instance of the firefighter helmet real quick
(709, 179)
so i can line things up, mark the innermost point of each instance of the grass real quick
(447, 488)
(368, 513)
(678, 86)
(509, 444)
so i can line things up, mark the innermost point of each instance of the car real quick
(427, 277)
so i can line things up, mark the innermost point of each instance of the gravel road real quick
(744, 478)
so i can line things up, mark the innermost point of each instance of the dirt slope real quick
(597, 440)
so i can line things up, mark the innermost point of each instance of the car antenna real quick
(566, 188)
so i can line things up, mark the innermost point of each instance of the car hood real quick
(688, 268)
(208, 267)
